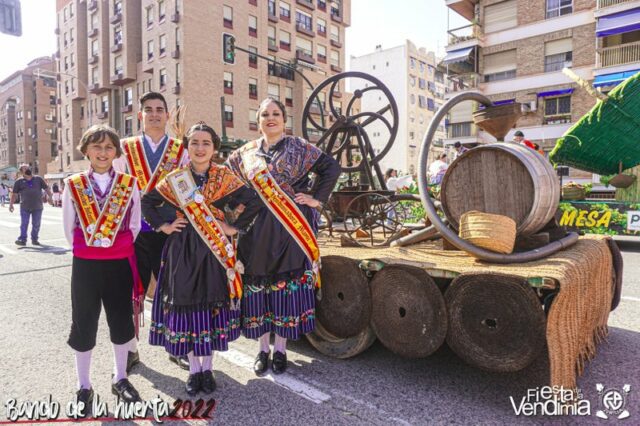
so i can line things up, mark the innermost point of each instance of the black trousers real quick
(149, 246)
(96, 282)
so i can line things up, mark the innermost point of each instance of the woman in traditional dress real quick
(279, 251)
(195, 309)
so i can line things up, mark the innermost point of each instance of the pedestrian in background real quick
(31, 190)
(57, 199)
(4, 194)
(437, 169)
(460, 149)
(101, 219)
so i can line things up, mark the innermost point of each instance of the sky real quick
(385, 22)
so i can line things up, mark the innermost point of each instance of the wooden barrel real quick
(409, 314)
(345, 307)
(503, 178)
(496, 322)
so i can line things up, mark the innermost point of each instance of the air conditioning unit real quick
(529, 107)
(49, 131)
(48, 117)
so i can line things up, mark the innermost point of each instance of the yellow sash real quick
(256, 172)
(139, 165)
(100, 227)
(193, 203)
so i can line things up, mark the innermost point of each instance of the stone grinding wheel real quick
(409, 313)
(336, 347)
(345, 308)
(496, 322)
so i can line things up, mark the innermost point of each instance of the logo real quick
(613, 402)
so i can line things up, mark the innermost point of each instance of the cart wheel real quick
(371, 220)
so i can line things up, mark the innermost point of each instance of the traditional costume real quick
(195, 307)
(101, 216)
(279, 250)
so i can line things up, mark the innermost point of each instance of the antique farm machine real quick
(490, 307)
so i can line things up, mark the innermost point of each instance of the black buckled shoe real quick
(133, 359)
(279, 363)
(261, 364)
(194, 384)
(208, 384)
(125, 391)
(181, 361)
(85, 396)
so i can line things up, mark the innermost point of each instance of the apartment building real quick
(28, 131)
(418, 88)
(514, 51)
(112, 51)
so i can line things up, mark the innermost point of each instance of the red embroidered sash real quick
(139, 165)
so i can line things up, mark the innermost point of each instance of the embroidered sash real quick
(256, 172)
(139, 165)
(192, 202)
(100, 226)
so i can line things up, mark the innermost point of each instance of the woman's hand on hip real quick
(175, 226)
(307, 200)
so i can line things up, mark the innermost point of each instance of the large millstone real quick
(336, 347)
(496, 322)
(345, 308)
(409, 313)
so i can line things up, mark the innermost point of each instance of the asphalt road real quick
(376, 387)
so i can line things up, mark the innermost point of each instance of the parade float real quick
(416, 286)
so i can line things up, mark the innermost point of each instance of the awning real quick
(555, 93)
(618, 23)
(456, 56)
(612, 79)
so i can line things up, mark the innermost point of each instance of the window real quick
(557, 110)
(412, 99)
(128, 96)
(422, 101)
(253, 59)
(274, 91)
(117, 64)
(253, 26)
(163, 44)
(422, 83)
(335, 33)
(304, 21)
(271, 6)
(557, 54)
(128, 126)
(72, 60)
(149, 50)
(163, 78)
(228, 115)
(117, 35)
(412, 81)
(559, 8)
(285, 40)
(322, 53)
(253, 88)
(227, 16)
(178, 39)
(94, 75)
(253, 121)
(178, 74)
(288, 126)
(117, 7)
(94, 48)
(149, 16)
(104, 104)
(228, 83)
(66, 63)
(500, 66)
(500, 16)
(162, 10)
(322, 26)
(71, 37)
(335, 58)
(304, 46)
(285, 11)
(94, 21)
(422, 64)
(271, 36)
(412, 63)
(288, 96)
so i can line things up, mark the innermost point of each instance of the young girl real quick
(195, 308)
(101, 215)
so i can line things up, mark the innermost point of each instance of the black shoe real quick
(279, 363)
(194, 384)
(261, 364)
(208, 384)
(133, 359)
(35, 243)
(86, 396)
(181, 361)
(21, 243)
(125, 391)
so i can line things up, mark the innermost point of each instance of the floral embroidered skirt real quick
(201, 331)
(286, 308)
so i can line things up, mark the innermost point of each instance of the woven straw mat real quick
(578, 318)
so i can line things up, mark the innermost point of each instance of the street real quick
(375, 387)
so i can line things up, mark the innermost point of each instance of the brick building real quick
(112, 51)
(27, 116)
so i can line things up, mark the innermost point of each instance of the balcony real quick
(116, 48)
(92, 5)
(462, 83)
(93, 59)
(305, 30)
(306, 3)
(336, 68)
(273, 18)
(103, 115)
(618, 55)
(175, 54)
(97, 88)
(461, 130)
(271, 42)
(127, 108)
(336, 43)
(175, 18)
(278, 70)
(604, 4)
(336, 16)
(176, 89)
(305, 56)
(119, 79)
(468, 34)
(465, 8)
(322, 5)
(322, 58)
(92, 33)
(116, 19)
